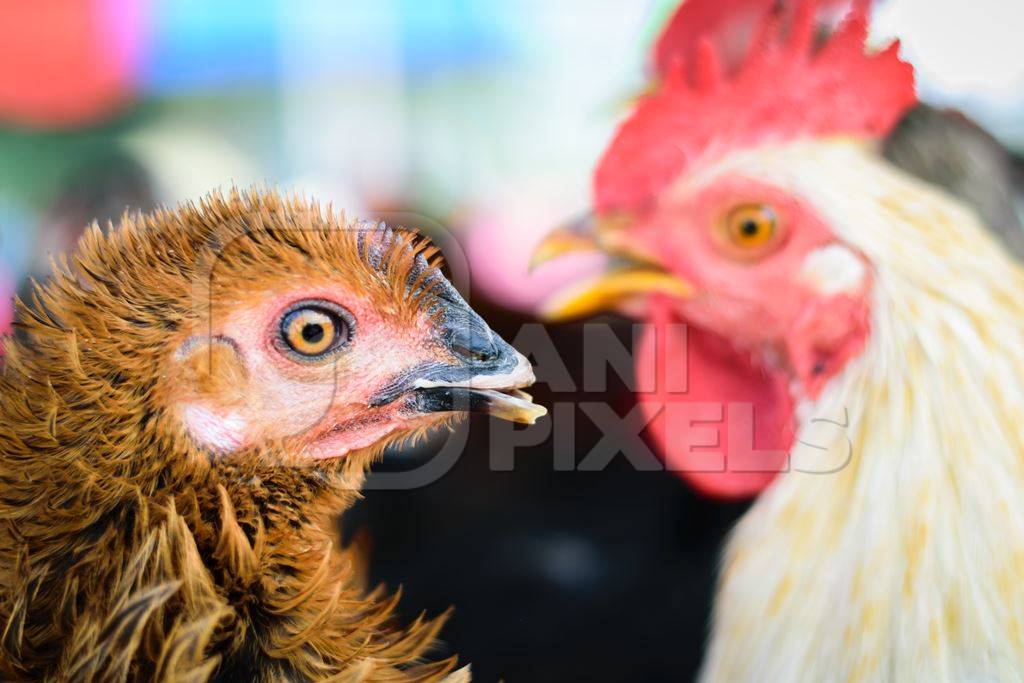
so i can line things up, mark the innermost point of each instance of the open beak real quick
(499, 394)
(513, 405)
(629, 276)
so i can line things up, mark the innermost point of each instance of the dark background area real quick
(554, 576)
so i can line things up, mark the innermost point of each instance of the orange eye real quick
(313, 330)
(749, 229)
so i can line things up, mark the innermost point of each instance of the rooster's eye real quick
(749, 229)
(313, 330)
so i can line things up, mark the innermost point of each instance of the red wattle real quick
(721, 422)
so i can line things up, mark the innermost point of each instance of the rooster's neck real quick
(894, 546)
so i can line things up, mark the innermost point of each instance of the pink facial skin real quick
(270, 395)
(779, 338)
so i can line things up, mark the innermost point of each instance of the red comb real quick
(787, 86)
(728, 24)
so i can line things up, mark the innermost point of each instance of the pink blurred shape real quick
(6, 303)
(499, 246)
(67, 62)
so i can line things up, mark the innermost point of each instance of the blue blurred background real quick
(479, 115)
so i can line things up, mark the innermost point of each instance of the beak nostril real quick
(477, 354)
(473, 347)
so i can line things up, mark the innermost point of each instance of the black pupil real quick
(312, 332)
(749, 227)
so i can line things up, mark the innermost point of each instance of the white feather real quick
(833, 269)
(907, 564)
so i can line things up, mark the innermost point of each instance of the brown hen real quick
(186, 407)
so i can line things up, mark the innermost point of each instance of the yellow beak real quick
(629, 279)
(578, 235)
(609, 290)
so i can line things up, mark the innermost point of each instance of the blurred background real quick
(478, 122)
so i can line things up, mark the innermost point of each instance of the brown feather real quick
(126, 551)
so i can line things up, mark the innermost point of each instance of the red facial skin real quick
(790, 83)
(734, 76)
(760, 334)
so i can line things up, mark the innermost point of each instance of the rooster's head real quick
(745, 196)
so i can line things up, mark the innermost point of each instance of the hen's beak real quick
(629, 276)
(513, 405)
(491, 389)
(481, 373)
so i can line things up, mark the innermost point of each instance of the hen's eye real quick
(749, 228)
(314, 330)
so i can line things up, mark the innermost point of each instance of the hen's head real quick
(746, 197)
(252, 328)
